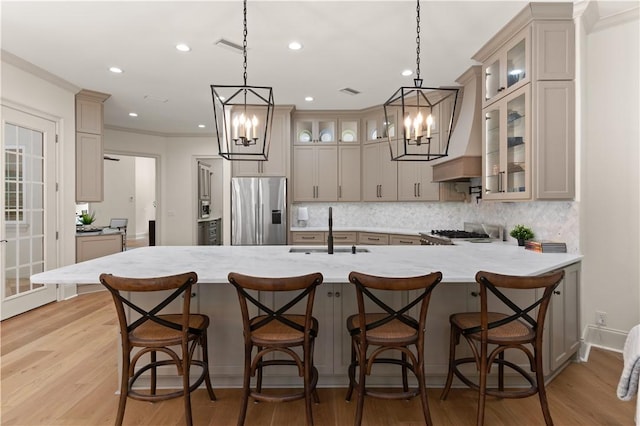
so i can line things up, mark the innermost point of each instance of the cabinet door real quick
(554, 54)
(388, 174)
(89, 116)
(404, 240)
(349, 173)
(327, 173)
(308, 238)
(408, 180)
(89, 168)
(564, 318)
(506, 148)
(370, 173)
(94, 246)
(304, 185)
(349, 131)
(554, 164)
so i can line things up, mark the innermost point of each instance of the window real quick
(14, 184)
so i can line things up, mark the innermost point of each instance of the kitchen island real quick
(335, 299)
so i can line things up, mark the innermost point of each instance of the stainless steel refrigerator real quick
(258, 211)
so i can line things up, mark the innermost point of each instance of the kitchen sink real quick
(336, 250)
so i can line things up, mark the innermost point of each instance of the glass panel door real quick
(516, 63)
(28, 210)
(516, 144)
(492, 152)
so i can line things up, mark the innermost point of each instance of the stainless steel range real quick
(473, 232)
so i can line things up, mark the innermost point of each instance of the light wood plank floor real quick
(59, 368)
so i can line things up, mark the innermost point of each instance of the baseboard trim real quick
(601, 337)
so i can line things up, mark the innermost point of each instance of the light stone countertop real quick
(458, 263)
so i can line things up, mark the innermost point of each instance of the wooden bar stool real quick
(519, 329)
(277, 330)
(391, 330)
(176, 335)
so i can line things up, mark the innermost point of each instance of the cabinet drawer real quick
(373, 238)
(404, 240)
(307, 238)
(343, 237)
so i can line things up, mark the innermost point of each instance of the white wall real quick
(610, 231)
(45, 98)
(145, 184)
(119, 193)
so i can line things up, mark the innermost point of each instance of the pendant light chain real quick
(418, 40)
(244, 42)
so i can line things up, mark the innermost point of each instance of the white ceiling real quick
(362, 45)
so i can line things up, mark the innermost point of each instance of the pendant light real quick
(418, 120)
(243, 115)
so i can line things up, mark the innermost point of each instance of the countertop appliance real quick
(259, 211)
(473, 232)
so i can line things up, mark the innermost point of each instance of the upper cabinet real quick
(277, 163)
(89, 146)
(529, 106)
(310, 130)
(349, 130)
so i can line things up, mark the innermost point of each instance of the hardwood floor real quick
(59, 363)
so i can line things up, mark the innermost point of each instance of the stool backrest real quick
(306, 284)
(181, 283)
(492, 283)
(364, 283)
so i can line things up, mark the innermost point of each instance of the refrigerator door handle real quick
(261, 224)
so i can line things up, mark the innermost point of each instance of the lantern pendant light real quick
(243, 115)
(426, 115)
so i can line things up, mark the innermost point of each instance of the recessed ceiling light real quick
(309, 98)
(407, 73)
(133, 114)
(116, 70)
(183, 47)
(295, 45)
(202, 126)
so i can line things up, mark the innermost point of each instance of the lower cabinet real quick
(92, 246)
(563, 319)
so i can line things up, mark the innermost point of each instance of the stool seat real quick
(153, 334)
(512, 332)
(276, 332)
(393, 331)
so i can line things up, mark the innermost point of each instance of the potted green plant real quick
(521, 233)
(88, 219)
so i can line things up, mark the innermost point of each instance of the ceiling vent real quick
(151, 98)
(350, 91)
(234, 47)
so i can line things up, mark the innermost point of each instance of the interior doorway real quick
(130, 191)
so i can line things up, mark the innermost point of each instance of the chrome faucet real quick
(330, 236)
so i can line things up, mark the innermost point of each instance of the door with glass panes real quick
(28, 222)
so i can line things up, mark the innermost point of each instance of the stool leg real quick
(205, 358)
(501, 372)
(453, 341)
(405, 382)
(153, 373)
(362, 372)
(259, 380)
(124, 386)
(246, 383)
(351, 370)
(422, 387)
(542, 392)
(185, 386)
(307, 383)
(482, 386)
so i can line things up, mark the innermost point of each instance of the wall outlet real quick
(601, 318)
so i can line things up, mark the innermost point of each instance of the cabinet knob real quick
(337, 294)
(556, 292)
(329, 294)
(475, 294)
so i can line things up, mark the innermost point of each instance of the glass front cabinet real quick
(507, 147)
(507, 70)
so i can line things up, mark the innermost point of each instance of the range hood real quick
(465, 147)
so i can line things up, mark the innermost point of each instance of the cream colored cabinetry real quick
(308, 237)
(349, 173)
(564, 318)
(404, 240)
(91, 246)
(373, 238)
(375, 126)
(276, 165)
(379, 173)
(415, 182)
(315, 173)
(529, 106)
(89, 146)
(313, 130)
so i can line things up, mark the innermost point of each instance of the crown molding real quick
(27, 66)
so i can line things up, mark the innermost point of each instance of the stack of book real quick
(544, 246)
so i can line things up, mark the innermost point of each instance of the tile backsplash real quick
(549, 220)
